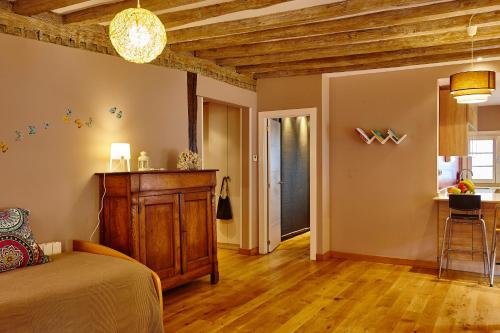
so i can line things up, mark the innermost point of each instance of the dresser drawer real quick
(165, 181)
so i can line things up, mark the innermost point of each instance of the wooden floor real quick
(285, 292)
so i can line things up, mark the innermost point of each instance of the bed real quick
(92, 289)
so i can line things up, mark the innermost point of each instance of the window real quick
(482, 151)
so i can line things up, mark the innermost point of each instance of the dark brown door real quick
(196, 229)
(159, 234)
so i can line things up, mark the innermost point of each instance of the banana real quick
(470, 185)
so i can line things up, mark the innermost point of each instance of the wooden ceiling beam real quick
(33, 7)
(289, 18)
(363, 59)
(361, 22)
(181, 17)
(106, 12)
(457, 23)
(87, 38)
(431, 59)
(484, 33)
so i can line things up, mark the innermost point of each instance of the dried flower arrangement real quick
(188, 160)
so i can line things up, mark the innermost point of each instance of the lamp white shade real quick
(119, 151)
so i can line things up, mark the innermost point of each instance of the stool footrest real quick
(465, 251)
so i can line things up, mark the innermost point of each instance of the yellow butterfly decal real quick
(3, 147)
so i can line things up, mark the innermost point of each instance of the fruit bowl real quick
(466, 186)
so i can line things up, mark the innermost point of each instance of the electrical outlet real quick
(56, 248)
(51, 248)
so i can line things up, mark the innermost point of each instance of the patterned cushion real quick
(18, 247)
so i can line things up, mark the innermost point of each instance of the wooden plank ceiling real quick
(274, 38)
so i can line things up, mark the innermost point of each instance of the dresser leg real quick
(214, 277)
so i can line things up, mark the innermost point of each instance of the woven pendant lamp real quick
(137, 35)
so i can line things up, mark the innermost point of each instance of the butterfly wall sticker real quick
(89, 122)
(19, 136)
(78, 123)
(118, 113)
(46, 125)
(68, 115)
(31, 130)
(3, 147)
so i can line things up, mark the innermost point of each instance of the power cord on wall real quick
(100, 209)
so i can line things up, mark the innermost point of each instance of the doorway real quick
(222, 150)
(287, 177)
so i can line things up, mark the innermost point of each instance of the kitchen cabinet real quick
(165, 220)
(455, 122)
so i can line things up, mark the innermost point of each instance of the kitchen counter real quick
(465, 236)
(488, 197)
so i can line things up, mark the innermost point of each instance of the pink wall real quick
(51, 173)
(488, 118)
(381, 200)
(298, 93)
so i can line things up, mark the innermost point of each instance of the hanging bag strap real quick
(225, 186)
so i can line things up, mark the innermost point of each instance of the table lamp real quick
(119, 152)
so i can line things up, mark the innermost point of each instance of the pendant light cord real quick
(472, 35)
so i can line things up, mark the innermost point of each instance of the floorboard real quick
(286, 292)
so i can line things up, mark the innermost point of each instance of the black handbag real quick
(224, 211)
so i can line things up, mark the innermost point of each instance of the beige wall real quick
(51, 173)
(488, 118)
(382, 194)
(297, 93)
(222, 151)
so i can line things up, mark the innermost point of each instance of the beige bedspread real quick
(79, 292)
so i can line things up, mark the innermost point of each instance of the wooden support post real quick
(192, 80)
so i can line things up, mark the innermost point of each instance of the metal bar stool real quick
(496, 230)
(464, 209)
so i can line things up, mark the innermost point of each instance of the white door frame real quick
(263, 195)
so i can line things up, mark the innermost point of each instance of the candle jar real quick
(143, 162)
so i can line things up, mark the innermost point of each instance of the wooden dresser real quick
(165, 220)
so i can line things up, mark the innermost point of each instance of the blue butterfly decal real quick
(31, 130)
(118, 113)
